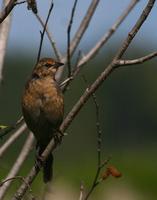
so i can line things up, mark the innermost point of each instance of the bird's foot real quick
(58, 137)
(38, 161)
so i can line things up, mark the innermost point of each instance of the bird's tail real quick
(48, 164)
(48, 169)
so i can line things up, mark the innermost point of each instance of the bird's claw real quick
(58, 137)
(38, 161)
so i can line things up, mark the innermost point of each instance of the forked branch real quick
(86, 95)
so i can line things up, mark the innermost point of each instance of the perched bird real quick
(43, 107)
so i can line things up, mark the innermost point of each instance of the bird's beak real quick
(58, 64)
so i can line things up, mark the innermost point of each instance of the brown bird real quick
(43, 107)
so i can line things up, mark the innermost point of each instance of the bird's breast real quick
(42, 106)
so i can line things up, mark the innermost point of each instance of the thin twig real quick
(83, 26)
(8, 129)
(44, 29)
(95, 50)
(69, 37)
(96, 180)
(53, 43)
(81, 192)
(20, 2)
(12, 139)
(15, 178)
(98, 127)
(65, 81)
(79, 34)
(6, 11)
(99, 131)
(83, 99)
(135, 29)
(4, 33)
(99, 139)
(137, 60)
(18, 163)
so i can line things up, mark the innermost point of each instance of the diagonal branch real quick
(93, 52)
(69, 37)
(84, 98)
(12, 138)
(135, 29)
(5, 12)
(83, 26)
(44, 29)
(53, 44)
(18, 163)
(4, 33)
(79, 34)
(8, 129)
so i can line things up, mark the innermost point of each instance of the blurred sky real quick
(25, 27)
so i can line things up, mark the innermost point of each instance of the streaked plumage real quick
(43, 106)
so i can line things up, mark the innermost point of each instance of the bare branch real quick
(79, 33)
(8, 8)
(53, 43)
(65, 81)
(135, 29)
(97, 180)
(12, 139)
(4, 33)
(8, 129)
(137, 60)
(44, 29)
(81, 192)
(94, 51)
(69, 37)
(83, 26)
(83, 99)
(99, 139)
(107, 70)
(18, 163)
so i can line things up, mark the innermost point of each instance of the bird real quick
(43, 108)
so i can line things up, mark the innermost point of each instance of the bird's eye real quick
(48, 65)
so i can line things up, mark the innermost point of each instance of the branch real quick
(53, 44)
(69, 37)
(83, 99)
(137, 60)
(4, 33)
(44, 29)
(79, 34)
(5, 12)
(18, 163)
(83, 26)
(135, 29)
(95, 50)
(81, 192)
(8, 129)
(12, 139)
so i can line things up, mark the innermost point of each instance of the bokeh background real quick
(127, 100)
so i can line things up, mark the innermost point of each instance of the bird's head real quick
(46, 67)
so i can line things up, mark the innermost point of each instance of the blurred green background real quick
(128, 113)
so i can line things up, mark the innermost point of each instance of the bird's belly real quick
(43, 122)
(43, 108)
